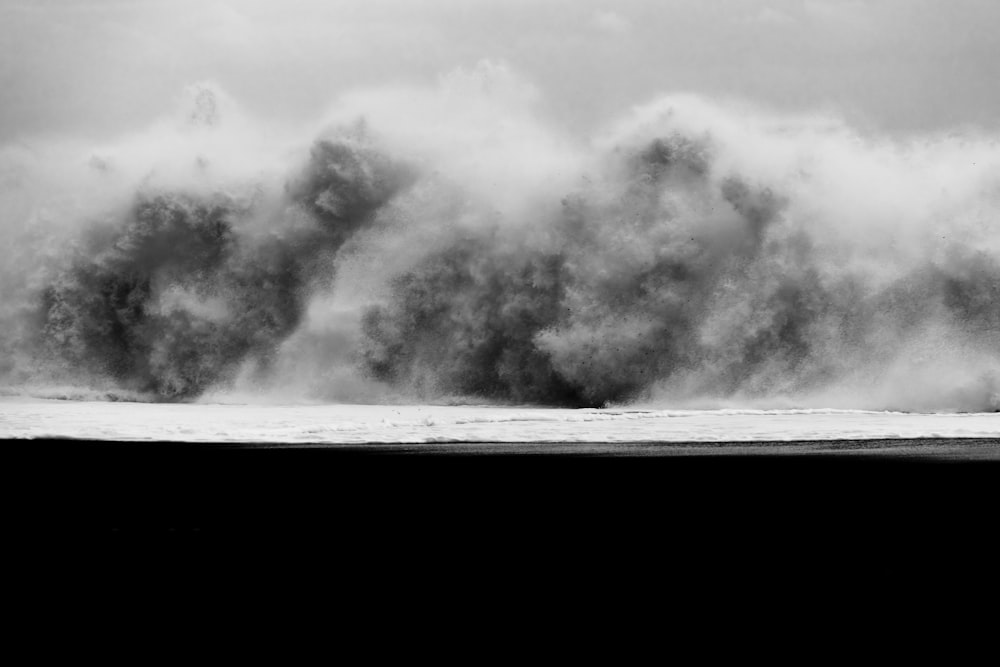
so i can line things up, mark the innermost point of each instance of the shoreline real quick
(966, 448)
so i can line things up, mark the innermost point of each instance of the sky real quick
(98, 67)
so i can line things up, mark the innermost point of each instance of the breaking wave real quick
(447, 243)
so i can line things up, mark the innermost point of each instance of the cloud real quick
(852, 12)
(610, 22)
(771, 16)
(230, 27)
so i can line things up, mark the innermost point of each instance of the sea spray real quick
(446, 243)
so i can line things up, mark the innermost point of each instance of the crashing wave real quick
(451, 245)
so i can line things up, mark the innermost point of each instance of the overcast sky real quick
(900, 66)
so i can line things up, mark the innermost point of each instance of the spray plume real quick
(446, 243)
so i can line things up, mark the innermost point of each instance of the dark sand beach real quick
(484, 487)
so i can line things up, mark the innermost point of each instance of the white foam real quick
(28, 417)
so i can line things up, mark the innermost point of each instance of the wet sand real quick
(930, 448)
(970, 449)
